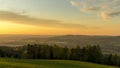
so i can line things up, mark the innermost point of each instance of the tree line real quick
(89, 53)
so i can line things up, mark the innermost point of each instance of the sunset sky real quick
(60, 17)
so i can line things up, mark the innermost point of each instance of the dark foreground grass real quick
(25, 63)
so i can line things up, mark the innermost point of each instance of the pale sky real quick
(60, 17)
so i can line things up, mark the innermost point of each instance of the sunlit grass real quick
(24, 63)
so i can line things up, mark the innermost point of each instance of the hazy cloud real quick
(105, 8)
(108, 15)
(74, 3)
(25, 19)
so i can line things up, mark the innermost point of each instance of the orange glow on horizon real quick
(12, 28)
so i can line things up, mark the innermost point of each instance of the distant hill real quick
(109, 44)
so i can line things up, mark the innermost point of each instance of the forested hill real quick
(109, 44)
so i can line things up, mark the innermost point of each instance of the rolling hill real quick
(109, 44)
(28, 63)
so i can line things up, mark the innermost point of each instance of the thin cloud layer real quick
(24, 19)
(20, 18)
(105, 8)
(74, 3)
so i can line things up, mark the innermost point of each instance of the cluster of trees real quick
(89, 53)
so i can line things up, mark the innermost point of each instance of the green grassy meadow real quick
(25, 63)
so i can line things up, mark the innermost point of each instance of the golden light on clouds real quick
(7, 27)
(46, 17)
(17, 23)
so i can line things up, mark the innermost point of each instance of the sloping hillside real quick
(24, 63)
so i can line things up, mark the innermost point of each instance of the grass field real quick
(24, 63)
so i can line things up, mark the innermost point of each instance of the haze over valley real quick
(109, 44)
